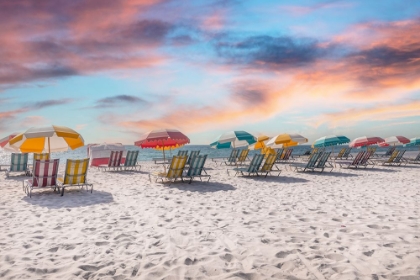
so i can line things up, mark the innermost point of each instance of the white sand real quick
(353, 224)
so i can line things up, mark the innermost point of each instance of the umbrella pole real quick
(49, 147)
(164, 160)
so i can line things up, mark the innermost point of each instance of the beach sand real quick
(349, 224)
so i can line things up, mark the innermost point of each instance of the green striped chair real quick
(253, 166)
(310, 165)
(131, 160)
(18, 163)
(192, 154)
(182, 153)
(197, 168)
(231, 160)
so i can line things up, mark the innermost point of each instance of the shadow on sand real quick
(279, 179)
(198, 186)
(73, 197)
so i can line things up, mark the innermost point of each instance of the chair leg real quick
(62, 191)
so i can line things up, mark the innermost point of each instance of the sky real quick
(115, 69)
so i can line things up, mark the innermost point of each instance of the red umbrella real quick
(365, 141)
(162, 138)
(5, 141)
(394, 140)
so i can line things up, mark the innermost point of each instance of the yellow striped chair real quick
(242, 156)
(75, 175)
(174, 171)
(268, 165)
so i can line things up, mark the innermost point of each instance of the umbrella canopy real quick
(4, 142)
(394, 140)
(286, 140)
(169, 148)
(162, 138)
(414, 142)
(233, 139)
(260, 144)
(365, 141)
(331, 140)
(47, 139)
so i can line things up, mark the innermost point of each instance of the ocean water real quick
(149, 154)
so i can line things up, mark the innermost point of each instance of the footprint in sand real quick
(283, 254)
(335, 257)
(373, 226)
(53, 250)
(101, 243)
(369, 253)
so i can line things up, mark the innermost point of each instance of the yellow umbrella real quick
(287, 140)
(260, 145)
(47, 139)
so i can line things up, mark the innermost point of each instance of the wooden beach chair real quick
(130, 162)
(253, 166)
(114, 162)
(44, 175)
(354, 163)
(242, 156)
(196, 168)
(174, 172)
(268, 166)
(192, 154)
(18, 163)
(75, 175)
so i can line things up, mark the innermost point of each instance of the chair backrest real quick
(183, 153)
(279, 153)
(131, 158)
(233, 155)
(192, 154)
(417, 158)
(269, 162)
(243, 155)
(323, 159)
(19, 162)
(177, 166)
(312, 160)
(255, 163)
(76, 171)
(341, 152)
(287, 154)
(115, 158)
(196, 165)
(371, 149)
(40, 156)
(358, 158)
(366, 157)
(399, 157)
(393, 156)
(45, 173)
(347, 153)
(389, 151)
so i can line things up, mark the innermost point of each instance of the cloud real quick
(119, 100)
(50, 103)
(303, 10)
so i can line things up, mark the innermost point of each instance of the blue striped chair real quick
(18, 163)
(197, 168)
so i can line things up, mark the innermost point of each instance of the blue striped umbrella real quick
(414, 142)
(233, 139)
(331, 140)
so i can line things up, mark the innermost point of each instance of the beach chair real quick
(389, 160)
(130, 162)
(38, 156)
(354, 163)
(183, 153)
(415, 160)
(192, 154)
(365, 161)
(268, 166)
(341, 153)
(310, 165)
(18, 163)
(242, 156)
(174, 172)
(399, 158)
(372, 149)
(196, 168)
(114, 161)
(253, 166)
(286, 156)
(231, 160)
(323, 163)
(75, 175)
(347, 154)
(388, 152)
(44, 175)
(279, 154)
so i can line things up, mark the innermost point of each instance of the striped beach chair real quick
(341, 153)
(354, 163)
(18, 163)
(192, 154)
(44, 175)
(415, 160)
(399, 158)
(231, 160)
(310, 165)
(279, 154)
(114, 161)
(196, 168)
(182, 153)
(174, 172)
(253, 166)
(389, 160)
(75, 175)
(131, 160)
(347, 154)
(242, 156)
(366, 160)
(323, 162)
(268, 166)
(39, 156)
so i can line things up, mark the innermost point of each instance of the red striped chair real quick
(114, 161)
(44, 175)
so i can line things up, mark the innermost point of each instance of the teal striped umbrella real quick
(233, 139)
(414, 142)
(331, 140)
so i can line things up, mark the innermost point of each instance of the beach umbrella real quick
(331, 140)
(4, 142)
(365, 141)
(286, 140)
(414, 142)
(161, 139)
(233, 139)
(394, 140)
(260, 145)
(47, 139)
